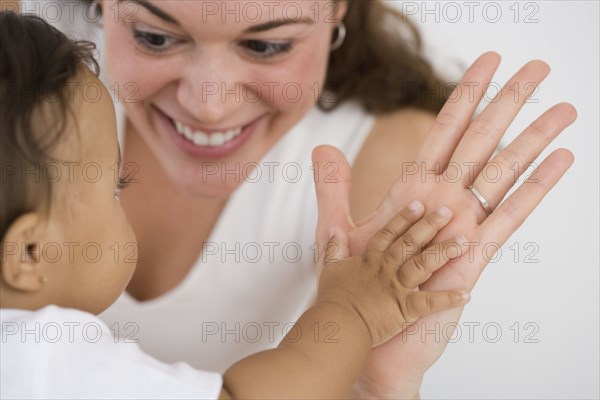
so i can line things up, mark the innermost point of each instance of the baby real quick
(68, 252)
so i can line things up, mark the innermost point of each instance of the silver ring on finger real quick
(482, 200)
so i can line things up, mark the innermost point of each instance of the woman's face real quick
(211, 86)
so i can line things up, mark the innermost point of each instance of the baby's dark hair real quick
(37, 61)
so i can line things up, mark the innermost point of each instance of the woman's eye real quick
(154, 42)
(263, 49)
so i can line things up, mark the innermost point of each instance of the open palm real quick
(455, 155)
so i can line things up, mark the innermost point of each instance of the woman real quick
(218, 101)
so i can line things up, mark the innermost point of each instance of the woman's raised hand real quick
(455, 155)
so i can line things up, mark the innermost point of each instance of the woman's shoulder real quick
(397, 133)
(408, 117)
(393, 142)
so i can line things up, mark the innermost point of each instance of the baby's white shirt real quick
(63, 353)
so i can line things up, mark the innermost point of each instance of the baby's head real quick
(65, 238)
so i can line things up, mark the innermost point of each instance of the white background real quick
(558, 294)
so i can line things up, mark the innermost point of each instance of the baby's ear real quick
(20, 264)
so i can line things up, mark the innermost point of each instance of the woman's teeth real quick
(200, 138)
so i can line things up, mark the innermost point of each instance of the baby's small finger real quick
(420, 267)
(422, 303)
(396, 227)
(421, 233)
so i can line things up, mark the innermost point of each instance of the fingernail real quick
(444, 211)
(466, 296)
(415, 206)
(331, 232)
(461, 240)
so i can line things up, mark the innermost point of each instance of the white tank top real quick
(256, 274)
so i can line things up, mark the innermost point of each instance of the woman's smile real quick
(204, 142)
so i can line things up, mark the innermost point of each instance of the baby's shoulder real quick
(50, 313)
(52, 325)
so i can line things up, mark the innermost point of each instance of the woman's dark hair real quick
(380, 63)
(36, 63)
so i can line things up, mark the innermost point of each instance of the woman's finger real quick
(455, 116)
(505, 220)
(501, 173)
(422, 303)
(484, 133)
(420, 267)
(387, 235)
(415, 238)
(333, 191)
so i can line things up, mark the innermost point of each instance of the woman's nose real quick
(211, 89)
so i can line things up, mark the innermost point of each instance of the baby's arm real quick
(365, 300)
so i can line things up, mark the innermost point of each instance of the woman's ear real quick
(20, 266)
(342, 9)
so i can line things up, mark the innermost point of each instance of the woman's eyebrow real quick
(277, 23)
(156, 11)
(253, 29)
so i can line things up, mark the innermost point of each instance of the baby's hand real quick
(381, 286)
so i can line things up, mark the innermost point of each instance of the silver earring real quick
(341, 36)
